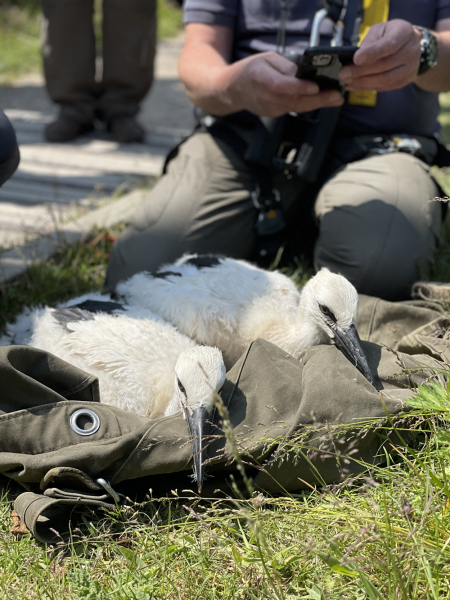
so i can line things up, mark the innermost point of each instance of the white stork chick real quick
(144, 365)
(229, 303)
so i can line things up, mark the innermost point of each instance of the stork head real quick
(328, 306)
(199, 375)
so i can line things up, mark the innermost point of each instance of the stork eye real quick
(327, 312)
(181, 387)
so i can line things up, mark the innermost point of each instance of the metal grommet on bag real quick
(89, 417)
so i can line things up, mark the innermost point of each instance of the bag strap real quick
(270, 224)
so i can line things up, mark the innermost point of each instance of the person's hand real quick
(388, 58)
(265, 84)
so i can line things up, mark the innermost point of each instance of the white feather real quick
(134, 353)
(232, 303)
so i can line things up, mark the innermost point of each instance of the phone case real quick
(322, 64)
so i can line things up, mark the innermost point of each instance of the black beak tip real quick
(197, 425)
(199, 469)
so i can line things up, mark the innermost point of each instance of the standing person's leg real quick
(377, 224)
(69, 66)
(203, 204)
(129, 44)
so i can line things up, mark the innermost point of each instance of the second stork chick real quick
(229, 303)
(143, 364)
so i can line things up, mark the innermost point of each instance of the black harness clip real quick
(270, 223)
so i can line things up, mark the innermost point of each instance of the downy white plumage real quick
(229, 303)
(144, 365)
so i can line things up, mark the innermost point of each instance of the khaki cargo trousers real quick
(376, 224)
(69, 54)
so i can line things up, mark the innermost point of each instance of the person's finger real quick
(325, 99)
(290, 87)
(383, 82)
(280, 63)
(350, 74)
(407, 54)
(285, 84)
(383, 41)
(262, 89)
(274, 107)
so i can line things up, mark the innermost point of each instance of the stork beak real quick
(197, 425)
(349, 344)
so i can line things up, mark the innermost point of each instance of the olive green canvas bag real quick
(67, 449)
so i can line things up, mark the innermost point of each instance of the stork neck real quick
(309, 332)
(292, 336)
(292, 329)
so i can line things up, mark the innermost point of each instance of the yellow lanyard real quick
(375, 11)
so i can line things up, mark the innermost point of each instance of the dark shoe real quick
(126, 129)
(65, 129)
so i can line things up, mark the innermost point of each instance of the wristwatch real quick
(429, 50)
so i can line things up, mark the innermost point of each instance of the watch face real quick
(433, 51)
(429, 50)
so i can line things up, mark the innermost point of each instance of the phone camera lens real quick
(321, 60)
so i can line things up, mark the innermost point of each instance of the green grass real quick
(20, 46)
(19, 42)
(169, 19)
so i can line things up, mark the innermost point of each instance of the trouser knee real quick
(381, 256)
(377, 224)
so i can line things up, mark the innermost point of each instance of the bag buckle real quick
(270, 219)
(395, 143)
(269, 224)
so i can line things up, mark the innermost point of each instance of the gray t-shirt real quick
(256, 22)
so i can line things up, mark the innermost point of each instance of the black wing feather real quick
(164, 274)
(96, 306)
(205, 260)
(83, 311)
(64, 316)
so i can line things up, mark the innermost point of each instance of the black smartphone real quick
(322, 64)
